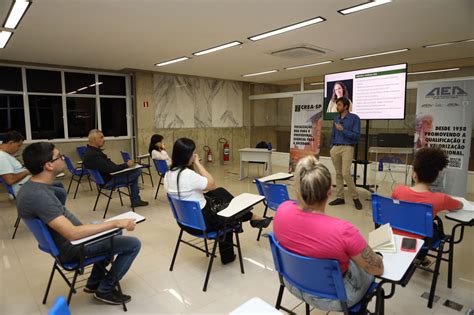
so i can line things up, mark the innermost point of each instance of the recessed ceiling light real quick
(309, 65)
(363, 6)
(377, 54)
(316, 83)
(449, 43)
(259, 73)
(164, 63)
(434, 71)
(16, 13)
(4, 37)
(210, 50)
(288, 28)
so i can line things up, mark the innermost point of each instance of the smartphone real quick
(408, 244)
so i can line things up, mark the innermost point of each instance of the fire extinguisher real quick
(207, 150)
(225, 150)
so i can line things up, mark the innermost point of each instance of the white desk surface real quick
(390, 150)
(466, 214)
(136, 166)
(239, 203)
(276, 176)
(143, 156)
(255, 306)
(396, 264)
(255, 150)
(127, 215)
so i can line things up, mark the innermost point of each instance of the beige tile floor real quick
(24, 270)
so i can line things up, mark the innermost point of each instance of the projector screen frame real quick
(330, 116)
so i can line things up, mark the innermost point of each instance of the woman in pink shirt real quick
(303, 228)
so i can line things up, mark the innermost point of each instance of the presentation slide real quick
(375, 93)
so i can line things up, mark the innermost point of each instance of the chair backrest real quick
(317, 277)
(275, 194)
(69, 164)
(125, 156)
(42, 235)
(161, 166)
(80, 151)
(259, 187)
(187, 212)
(262, 145)
(406, 216)
(8, 187)
(60, 307)
(96, 176)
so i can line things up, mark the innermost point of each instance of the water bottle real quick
(269, 146)
(380, 165)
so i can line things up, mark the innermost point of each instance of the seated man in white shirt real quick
(11, 170)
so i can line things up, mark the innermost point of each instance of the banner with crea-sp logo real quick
(444, 115)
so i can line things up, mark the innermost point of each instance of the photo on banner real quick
(444, 114)
(306, 122)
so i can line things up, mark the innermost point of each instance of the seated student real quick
(11, 170)
(157, 149)
(37, 199)
(95, 159)
(427, 164)
(303, 228)
(188, 179)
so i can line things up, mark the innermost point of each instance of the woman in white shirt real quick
(189, 180)
(157, 149)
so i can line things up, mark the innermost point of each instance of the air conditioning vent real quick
(298, 52)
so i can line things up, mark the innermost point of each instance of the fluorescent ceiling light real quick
(97, 83)
(377, 54)
(316, 83)
(434, 71)
(210, 50)
(16, 13)
(73, 92)
(4, 37)
(259, 73)
(309, 65)
(288, 28)
(164, 63)
(363, 6)
(82, 88)
(449, 43)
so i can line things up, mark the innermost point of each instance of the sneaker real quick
(113, 297)
(336, 202)
(358, 204)
(88, 289)
(262, 223)
(140, 203)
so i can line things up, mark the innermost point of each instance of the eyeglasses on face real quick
(60, 156)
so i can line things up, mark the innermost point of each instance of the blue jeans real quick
(126, 178)
(125, 247)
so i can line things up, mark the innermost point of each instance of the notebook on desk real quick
(467, 205)
(127, 215)
(382, 240)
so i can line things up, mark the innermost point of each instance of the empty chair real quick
(76, 175)
(126, 157)
(317, 277)
(161, 168)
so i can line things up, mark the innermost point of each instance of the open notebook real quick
(382, 240)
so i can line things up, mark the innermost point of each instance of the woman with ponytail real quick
(187, 179)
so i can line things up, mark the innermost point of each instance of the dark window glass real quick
(80, 116)
(12, 116)
(44, 81)
(79, 83)
(112, 85)
(10, 79)
(113, 112)
(46, 117)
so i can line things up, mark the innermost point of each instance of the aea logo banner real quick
(446, 92)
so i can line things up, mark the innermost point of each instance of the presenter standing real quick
(345, 135)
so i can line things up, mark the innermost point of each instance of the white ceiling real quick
(136, 34)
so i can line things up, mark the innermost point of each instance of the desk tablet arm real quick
(110, 236)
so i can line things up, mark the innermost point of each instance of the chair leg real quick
(158, 187)
(450, 261)
(207, 248)
(89, 180)
(131, 200)
(71, 289)
(77, 186)
(176, 249)
(120, 291)
(260, 229)
(435, 275)
(280, 296)
(210, 265)
(17, 223)
(49, 283)
(99, 190)
(120, 196)
(70, 182)
(239, 252)
(141, 175)
(151, 178)
(307, 308)
(108, 202)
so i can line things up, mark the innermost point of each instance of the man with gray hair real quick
(95, 159)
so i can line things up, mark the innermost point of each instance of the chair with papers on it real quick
(416, 218)
(381, 240)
